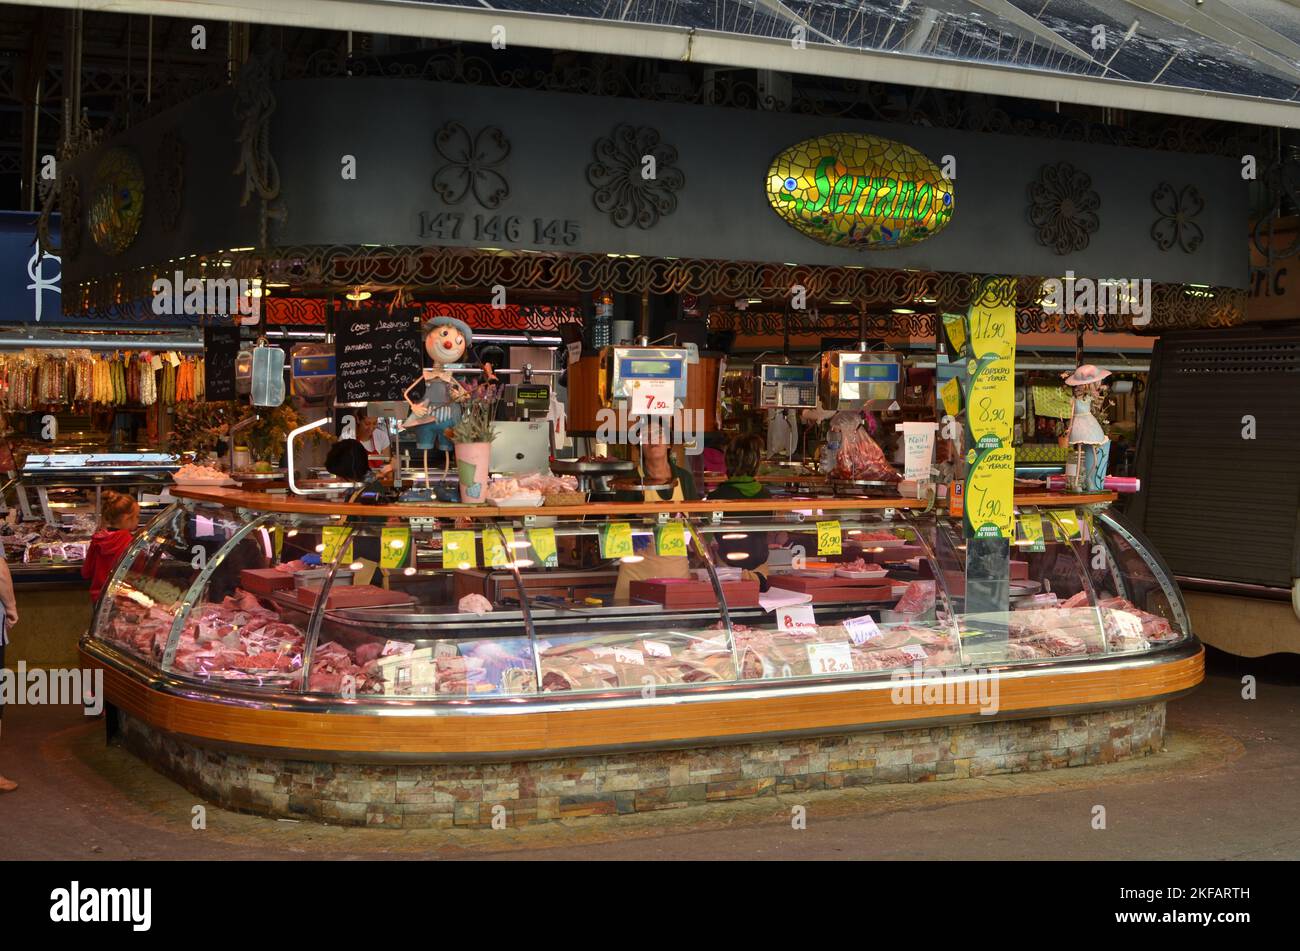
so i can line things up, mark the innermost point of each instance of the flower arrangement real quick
(480, 406)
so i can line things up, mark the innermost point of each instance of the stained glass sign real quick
(861, 191)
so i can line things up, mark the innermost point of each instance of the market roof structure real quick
(1237, 60)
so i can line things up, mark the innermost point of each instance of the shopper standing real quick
(10, 605)
(118, 517)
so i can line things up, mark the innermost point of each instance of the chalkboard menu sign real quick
(377, 354)
(220, 350)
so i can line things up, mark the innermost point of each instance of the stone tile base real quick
(522, 793)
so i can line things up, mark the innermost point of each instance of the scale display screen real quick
(785, 374)
(633, 368)
(870, 372)
(318, 365)
(539, 394)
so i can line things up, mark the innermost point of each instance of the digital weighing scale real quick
(781, 386)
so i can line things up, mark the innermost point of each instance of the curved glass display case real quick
(428, 611)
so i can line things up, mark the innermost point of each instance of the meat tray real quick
(353, 596)
(674, 593)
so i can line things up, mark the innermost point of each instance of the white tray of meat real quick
(860, 570)
(201, 475)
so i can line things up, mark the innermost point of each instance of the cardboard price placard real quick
(990, 412)
(670, 539)
(830, 658)
(333, 538)
(616, 540)
(828, 538)
(459, 550)
(543, 542)
(394, 547)
(990, 510)
(1031, 531)
(498, 546)
(652, 397)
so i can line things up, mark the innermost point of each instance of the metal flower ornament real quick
(635, 177)
(1175, 225)
(472, 165)
(1063, 208)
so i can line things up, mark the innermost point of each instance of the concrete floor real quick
(1223, 789)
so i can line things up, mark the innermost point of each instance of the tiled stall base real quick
(520, 793)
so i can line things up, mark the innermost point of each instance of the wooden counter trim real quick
(667, 724)
(262, 502)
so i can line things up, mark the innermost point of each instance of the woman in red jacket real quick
(119, 516)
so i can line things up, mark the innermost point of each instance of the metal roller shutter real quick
(1217, 505)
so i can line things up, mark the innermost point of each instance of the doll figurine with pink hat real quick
(1087, 434)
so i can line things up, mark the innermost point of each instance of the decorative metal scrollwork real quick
(1176, 210)
(1063, 208)
(472, 162)
(70, 216)
(454, 269)
(171, 179)
(254, 106)
(623, 189)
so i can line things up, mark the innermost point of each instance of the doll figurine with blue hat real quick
(446, 340)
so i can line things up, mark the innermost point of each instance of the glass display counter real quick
(459, 606)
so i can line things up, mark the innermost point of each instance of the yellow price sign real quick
(394, 546)
(458, 550)
(828, 538)
(670, 539)
(955, 324)
(990, 485)
(993, 329)
(951, 395)
(333, 538)
(616, 540)
(1069, 522)
(498, 547)
(277, 540)
(543, 542)
(1031, 530)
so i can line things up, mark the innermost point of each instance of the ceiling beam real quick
(546, 31)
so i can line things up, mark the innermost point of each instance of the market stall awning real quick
(1237, 61)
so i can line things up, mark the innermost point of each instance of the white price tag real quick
(798, 619)
(203, 527)
(692, 353)
(830, 658)
(656, 649)
(624, 655)
(862, 629)
(393, 648)
(575, 352)
(914, 651)
(1128, 624)
(652, 397)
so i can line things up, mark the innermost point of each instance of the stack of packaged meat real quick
(780, 653)
(239, 638)
(588, 666)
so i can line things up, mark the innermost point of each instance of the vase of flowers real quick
(473, 435)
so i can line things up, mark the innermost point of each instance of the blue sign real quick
(29, 279)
